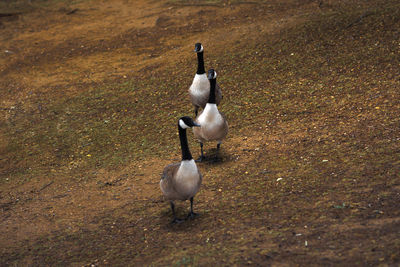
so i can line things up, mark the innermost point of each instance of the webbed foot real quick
(200, 159)
(177, 221)
(216, 159)
(192, 215)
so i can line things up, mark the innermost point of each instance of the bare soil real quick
(90, 95)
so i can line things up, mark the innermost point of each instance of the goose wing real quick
(224, 130)
(167, 183)
(200, 180)
(170, 170)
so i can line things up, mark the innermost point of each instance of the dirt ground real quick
(90, 95)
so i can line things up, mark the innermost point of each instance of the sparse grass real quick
(23, 6)
(98, 128)
(328, 94)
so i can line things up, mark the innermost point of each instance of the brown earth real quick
(90, 95)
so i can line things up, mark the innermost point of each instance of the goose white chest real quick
(188, 178)
(200, 86)
(210, 118)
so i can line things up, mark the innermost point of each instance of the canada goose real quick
(200, 88)
(182, 180)
(214, 126)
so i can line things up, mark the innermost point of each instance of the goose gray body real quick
(214, 126)
(199, 90)
(181, 180)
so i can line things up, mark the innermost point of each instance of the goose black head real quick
(212, 74)
(198, 48)
(186, 122)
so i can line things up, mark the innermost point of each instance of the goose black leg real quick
(196, 111)
(175, 220)
(201, 158)
(191, 214)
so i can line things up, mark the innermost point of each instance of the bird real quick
(200, 87)
(182, 180)
(214, 126)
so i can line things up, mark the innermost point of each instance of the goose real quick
(200, 88)
(182, 180)
(214, 126)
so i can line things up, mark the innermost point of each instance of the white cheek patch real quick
(215, 74)
(201, 49)
(183, 124)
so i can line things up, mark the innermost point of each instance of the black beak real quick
(210, 76)
(197, 47)
(196, 124)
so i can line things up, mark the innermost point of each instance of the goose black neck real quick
(184, 144)
(200, 63)
(211, 98)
